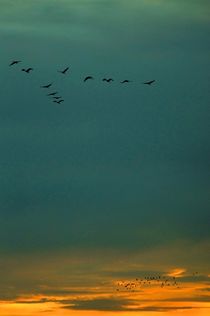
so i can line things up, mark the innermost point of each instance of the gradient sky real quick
(113, 184)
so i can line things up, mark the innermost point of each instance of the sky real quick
(104, 198)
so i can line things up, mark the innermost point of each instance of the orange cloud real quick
(178, 272)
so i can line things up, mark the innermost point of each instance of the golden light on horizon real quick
(146, 301)
(50, 309)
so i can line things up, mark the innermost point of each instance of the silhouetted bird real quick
(47, 86)
(52, 93)
(15, 62)
(88, 78)
(64, 71)
(149, 82)
(56, 98)
(125, 81)
(108, 80)
(27, 70)
(58, 101)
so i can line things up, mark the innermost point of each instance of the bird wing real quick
(88, 77)
(14, 62)
(48, 85)
(149, 82)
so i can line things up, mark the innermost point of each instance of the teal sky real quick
(116, 167)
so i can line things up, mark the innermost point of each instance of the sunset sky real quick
(105, 198)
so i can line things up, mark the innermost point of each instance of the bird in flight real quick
(58, 101)
(15, 62)
(88, 78)
(27, 70)
(64, 71)
(56, 98)
(149, 82)
(47, 85)
(108, 80)
(52, 93)
(125, 81)
(195, 273)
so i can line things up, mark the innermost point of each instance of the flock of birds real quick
(58, 99)
(161, 281)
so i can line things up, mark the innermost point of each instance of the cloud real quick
(205, 289)
(178, 272)
(99, 304)
(37, 301)
(198, 298)
(113, 304)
